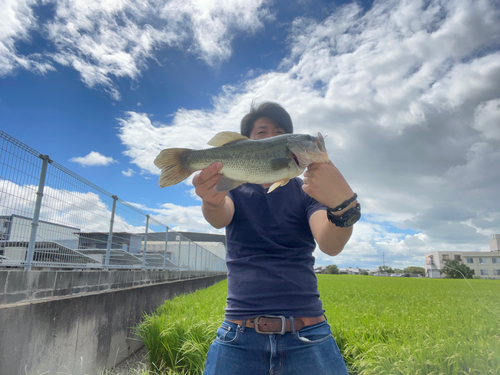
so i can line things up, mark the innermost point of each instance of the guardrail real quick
(52, 217)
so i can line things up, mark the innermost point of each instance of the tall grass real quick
(414, 326)
(382, 326)
(179, 333)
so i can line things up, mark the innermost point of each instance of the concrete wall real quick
(83, 331)
(20, 285)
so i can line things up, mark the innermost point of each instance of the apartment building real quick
(486, 264)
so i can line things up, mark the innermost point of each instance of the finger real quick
(313, 166)
(206, 188)
(210, 171)
(308, 173)
(333, 165)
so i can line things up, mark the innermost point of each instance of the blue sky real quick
(407, 91)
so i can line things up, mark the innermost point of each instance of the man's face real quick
(264, 128)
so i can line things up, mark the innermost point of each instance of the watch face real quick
(353, 219)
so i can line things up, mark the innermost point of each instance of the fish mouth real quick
(311, 151)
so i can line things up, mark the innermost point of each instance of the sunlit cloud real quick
(93, 159)
(128, 173)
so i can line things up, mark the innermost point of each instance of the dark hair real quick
(273, 111)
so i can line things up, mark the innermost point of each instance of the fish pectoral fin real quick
(223, 138)
(278, 164)
(226, 184)
(278, 184)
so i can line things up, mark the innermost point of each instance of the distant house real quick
(319, 270)
(355, 271)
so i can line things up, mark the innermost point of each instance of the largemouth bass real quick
(271, 160)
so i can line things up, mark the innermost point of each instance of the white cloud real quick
(105, 40)
(128, 173)
(183, 218)
(487, 119)
(93, 159)
(408, 95)
(212, 23)
(16, 22)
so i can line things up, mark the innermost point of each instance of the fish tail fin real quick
(172, 169)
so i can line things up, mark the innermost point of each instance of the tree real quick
(385, 269)
(453, 269)
(415, 270)
(332, 269)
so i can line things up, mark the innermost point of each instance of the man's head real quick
(267, 120)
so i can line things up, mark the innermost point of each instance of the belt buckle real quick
(283, 324)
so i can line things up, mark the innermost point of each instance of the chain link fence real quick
(52, 217)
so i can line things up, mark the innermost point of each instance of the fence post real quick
(110, 234)
(179, 257)
(166, 248)
(145, 243)
(36, 213)
(189, 252)
(196, 257)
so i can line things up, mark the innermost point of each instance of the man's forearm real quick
(330, 238)
(218, 217)
(333, 239)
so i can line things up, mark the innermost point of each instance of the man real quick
(274, 321)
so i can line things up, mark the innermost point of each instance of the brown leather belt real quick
(270, 325)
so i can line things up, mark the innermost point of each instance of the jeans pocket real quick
(314, 334)
(227, 333)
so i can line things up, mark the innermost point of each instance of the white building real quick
(486, 265)
(15, 228)
(15, 232)
(187, 254)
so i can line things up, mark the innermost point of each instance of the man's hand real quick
(204, 183)
(325, 183)
(218, 209)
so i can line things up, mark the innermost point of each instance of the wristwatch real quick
(348, 218)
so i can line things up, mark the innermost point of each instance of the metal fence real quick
(51, 217)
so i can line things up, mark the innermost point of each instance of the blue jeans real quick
(242, 351)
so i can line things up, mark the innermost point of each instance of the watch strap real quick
(346, 203)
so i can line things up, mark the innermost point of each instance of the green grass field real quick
(382, 325)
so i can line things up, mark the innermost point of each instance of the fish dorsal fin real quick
(223, 138)
(226, 184)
